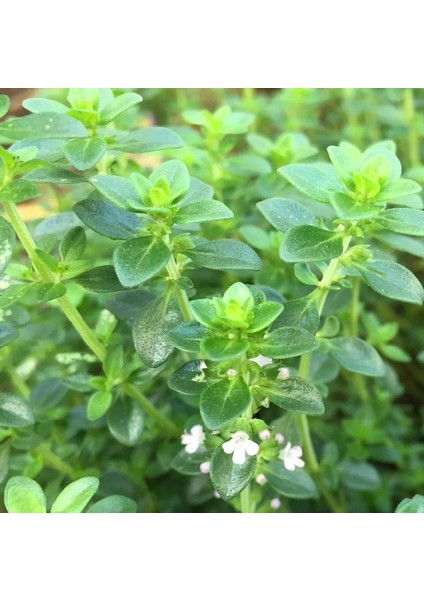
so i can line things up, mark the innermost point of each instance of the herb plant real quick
(221, 325)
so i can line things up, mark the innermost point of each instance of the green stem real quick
(53, 460)
(151, 410)
(302, 421)
(245, 500)
(354, 307)
(18, 382)
(180, 295)
(411, 121)
(76, 319)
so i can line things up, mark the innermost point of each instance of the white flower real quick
(283, 373)
(232, 372)
(261, 479)
(290, 455)
(239, 446)
(261, 360)
(275, 503)
(265, 434)
(205, 466)
(279, 438)
(194, 439)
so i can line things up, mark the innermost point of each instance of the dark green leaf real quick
(215, 348)
(392, 280)
(286, 342)
(149, 139)
(196, 212)
(403, 220)
(225, 254)
(349, 210)
(54, 175)
(356, 355)
(13, 293)
(118, 190)
(18, 191)
(223, 401)
(305, 243)
(73, 244)
(44, 292)
(7, 334)
(188, 336)
(24, 495)
(404, 243)
(15, 411)
(297, 395)
(189, 379)
(98, 404)
(140, 259)
(359, 476)
(293, 484)
(107, 219)
(125, 420)
(189, 464)
(84, 154)
(100, 280)
(42, 126)
(114, 504)
(151, 328)
(300, 312)
(312, 181)
(227, 478)
(284, 214)
(75, 497)
(119, 105)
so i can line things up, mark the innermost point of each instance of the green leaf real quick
(73, 244)
(197, 212)
(75, 497)
(42, 126)
(286, 342)
(119, 105)
(284, 214)
(215, 348)
(149, 139)
(397, 189)
(151, 328)
(188, 379)
(357, 356)
(349, 210)
(204, 311)
(45, 292)
(42, 105)
(189, 464)
(293, 484)
(54, 175)
(223, 401)
(411, 505)
(140, 259)
(7, 334)
(7, 243)
(113, 364)
(114, 504)
(18, 191)
(125, 420)
(225, 254)
(404, 243)
(359, 476)
(13, 293)
(312, 181)
(176, 174)
(403, 220)
(297, 395)
(107, 219)
(4, 105)
(247, 165)
(100, 280)
(14, 411)
(227, 478)
(98, 404)
(264, 315)
(118, 190)
(305, 243)
(188, 336)
(24, 495)
(300, 312)
(392, 280)
(84, 154)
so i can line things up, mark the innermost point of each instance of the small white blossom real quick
(265, 434)
(204, 467)
(279, 437)
(283, 373)
(261, 360)
(290, 455)
(202, 365)
(194, 439)
(232, 372)
(239, 446)
(275, 503)
(261, 479)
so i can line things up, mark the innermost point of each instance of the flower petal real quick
(252, 448)
(229, 446)
(192, 447)
(239, 455)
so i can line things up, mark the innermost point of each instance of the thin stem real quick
(180, 295)
(354, 307)
(245, 500)
(18, 382)
(151, 410)
(302, 421)
(53, 460)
